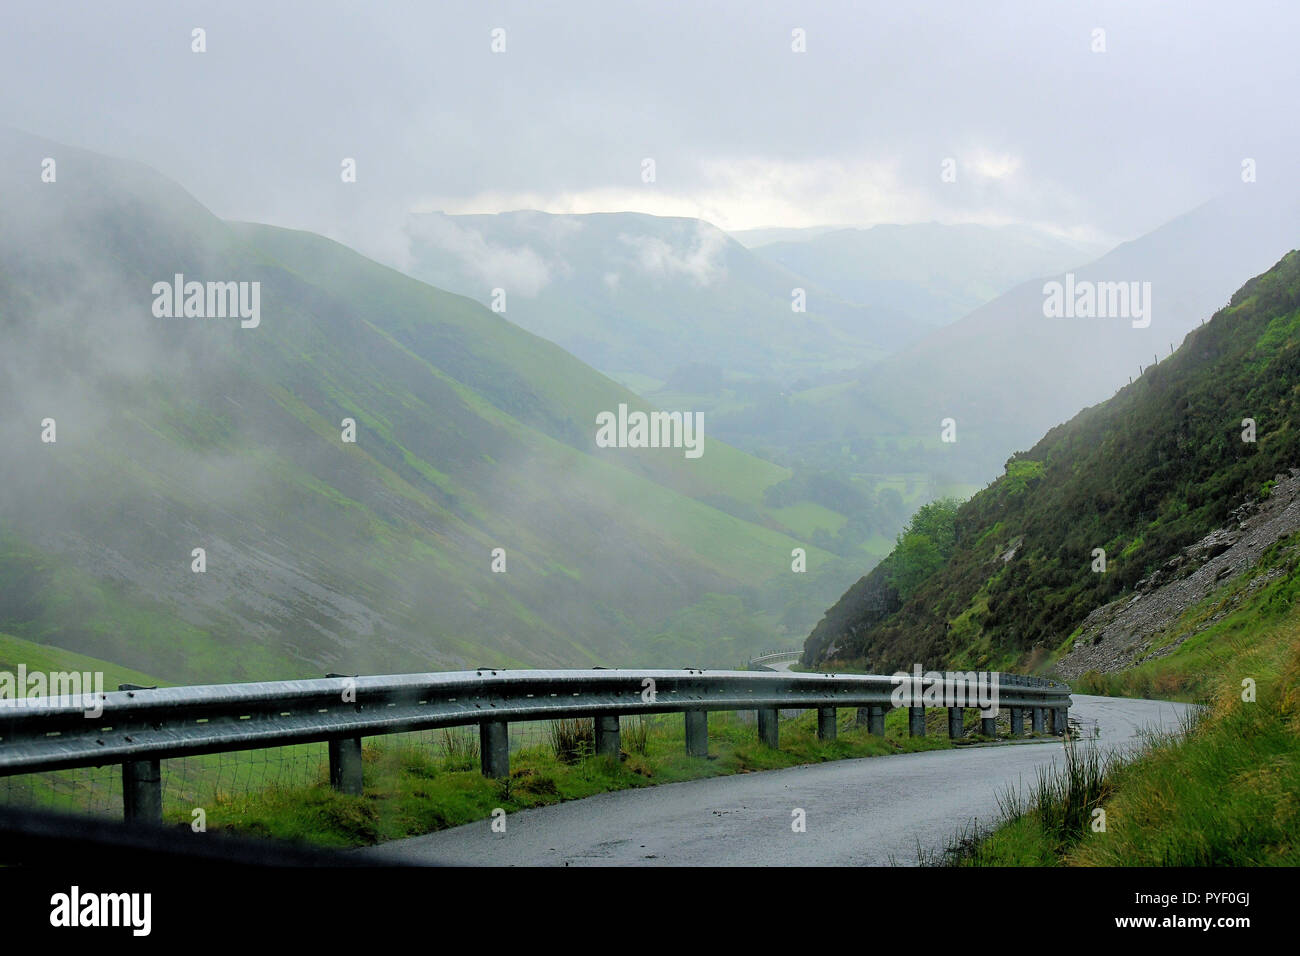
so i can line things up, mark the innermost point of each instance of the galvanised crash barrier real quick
(774, 657)
(139, 727)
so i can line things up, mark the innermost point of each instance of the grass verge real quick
(410, 790)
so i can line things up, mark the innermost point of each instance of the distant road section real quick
(872, 811)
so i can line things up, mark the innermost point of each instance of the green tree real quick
(923, 546)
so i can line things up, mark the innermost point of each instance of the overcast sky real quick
(744, 132)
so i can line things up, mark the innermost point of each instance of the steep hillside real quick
(173, 434)
(1141, 476)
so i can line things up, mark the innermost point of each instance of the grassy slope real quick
(47, 658)
(473, 434)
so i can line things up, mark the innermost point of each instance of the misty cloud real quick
(699, 256)
(520, 269)
(745, 133)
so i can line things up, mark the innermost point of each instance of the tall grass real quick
(1057, 809)
(636, 734)
(1065, 796)
(572, 740)
(459, 746)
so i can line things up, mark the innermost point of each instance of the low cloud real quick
(700, 258)
(520, 269)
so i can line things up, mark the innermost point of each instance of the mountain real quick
(131, 439)
(930, 273)
(1009, 577)
(1007, 372)
(753, 238)
(643, 297)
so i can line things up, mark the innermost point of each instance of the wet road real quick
(871, 811)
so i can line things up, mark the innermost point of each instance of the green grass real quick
(46, 658)
(1225, 791)
(411, 790)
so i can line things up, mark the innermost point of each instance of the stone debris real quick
(1122, 633)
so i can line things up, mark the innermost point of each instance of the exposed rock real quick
(1121, 633)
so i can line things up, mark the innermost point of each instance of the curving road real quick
(871, 811)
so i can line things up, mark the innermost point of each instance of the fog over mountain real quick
(825, 229)
(1008, 371)
(930, 272)
(379, 475)
(630, 293)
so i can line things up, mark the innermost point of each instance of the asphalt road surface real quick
(870, 811)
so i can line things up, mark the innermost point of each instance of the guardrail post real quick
(988, 726)
(916, 721)
(1039, 718)
(826, 727)
(769, 732)
(345, 765)
(876, 719)
(607, 742)
(1060, 721)
(142, 791)
(956, 723)
(494, 748)
(697, 733)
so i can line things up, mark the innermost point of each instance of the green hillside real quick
(46, 658)
(322, 555)
(1141, 476)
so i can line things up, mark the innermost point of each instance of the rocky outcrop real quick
(1123, 633)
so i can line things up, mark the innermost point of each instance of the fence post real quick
(916, 721)
(345, 765)
(142, 791)
(494, 748)
(769, 727)
(876, 720)
(697, 733)
(607, 742)
(826, 727)
(1060, 721)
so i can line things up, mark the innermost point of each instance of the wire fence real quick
(188, 783)
(226, 780)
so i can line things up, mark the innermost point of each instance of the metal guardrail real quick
(773, 657)
(138, 727)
